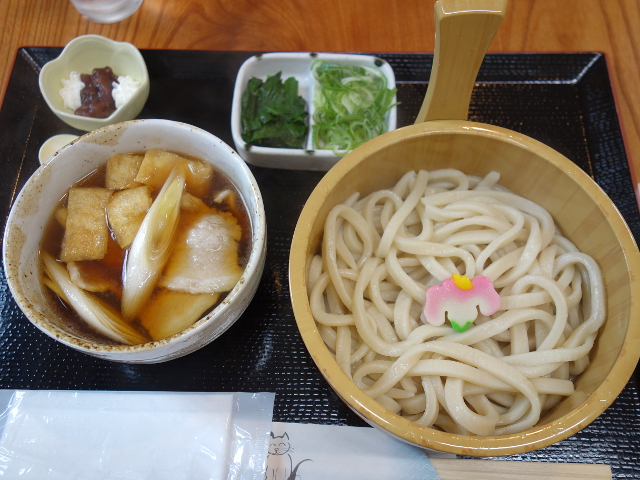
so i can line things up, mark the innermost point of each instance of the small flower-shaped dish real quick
(83, 54)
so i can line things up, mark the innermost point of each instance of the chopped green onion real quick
(351, 103)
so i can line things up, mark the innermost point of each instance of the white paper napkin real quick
(129, 435)
(320, 452)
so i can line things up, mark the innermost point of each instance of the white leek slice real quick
(96, 313)
(151, 246)
(55, 288)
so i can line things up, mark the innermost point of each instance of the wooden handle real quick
(464, 30)
(458, 469)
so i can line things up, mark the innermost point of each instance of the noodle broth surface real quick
(112, 265)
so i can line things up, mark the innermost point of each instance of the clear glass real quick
(106, 11)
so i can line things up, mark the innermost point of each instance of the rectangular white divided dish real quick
(296, 65)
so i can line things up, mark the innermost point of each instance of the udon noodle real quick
(381, 253)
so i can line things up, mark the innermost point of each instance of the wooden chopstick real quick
(458, 469)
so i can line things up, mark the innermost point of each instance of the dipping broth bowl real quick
(39, 197)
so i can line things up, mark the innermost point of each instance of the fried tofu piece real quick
(158, 164)
(122, 170)
(126, 210)
(86, 234)
(204, 258)
(189, 203)
(171, 312)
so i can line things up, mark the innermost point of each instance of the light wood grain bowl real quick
(580, 208)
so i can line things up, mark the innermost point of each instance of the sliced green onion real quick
(351, 104)
(91, 309)
(151, 246)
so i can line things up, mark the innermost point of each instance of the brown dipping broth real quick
(112, 264)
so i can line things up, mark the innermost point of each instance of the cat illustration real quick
(279, 461)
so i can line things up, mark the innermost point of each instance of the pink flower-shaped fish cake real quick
(460, 299)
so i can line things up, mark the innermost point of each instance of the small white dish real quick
(52, 145)
(296, 65)
(83, 54)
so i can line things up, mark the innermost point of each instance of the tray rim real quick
(34, 65)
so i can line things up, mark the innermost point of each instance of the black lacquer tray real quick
(563, 100)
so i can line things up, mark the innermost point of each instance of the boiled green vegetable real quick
(351, 104)
(273, 114)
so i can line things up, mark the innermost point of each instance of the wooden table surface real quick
(608, 26)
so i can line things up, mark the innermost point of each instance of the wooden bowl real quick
(579, 207)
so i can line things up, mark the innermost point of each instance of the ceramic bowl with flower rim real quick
(82, 55)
